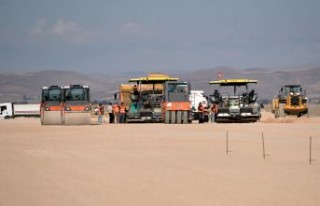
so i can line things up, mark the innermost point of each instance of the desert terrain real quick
(158, 164)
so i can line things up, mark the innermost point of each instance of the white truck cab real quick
(6, 110)
(10, 110)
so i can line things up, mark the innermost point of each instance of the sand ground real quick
(158, 164)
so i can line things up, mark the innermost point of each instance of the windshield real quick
(292, 89)
(52, 95)
(77, 94)
(178, 88)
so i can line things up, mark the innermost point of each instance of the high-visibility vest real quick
(115, 108)
(122, 109)
(101, 110)
(214, 109)
(201, 108)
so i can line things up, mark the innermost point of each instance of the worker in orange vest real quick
(116, 112)
(213, 113)
(201, 112)
(101, 113)
(122, 113)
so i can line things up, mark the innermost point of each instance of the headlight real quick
(47, 108)
(87, 108)
(67, 109)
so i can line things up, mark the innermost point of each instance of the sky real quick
(109, 36)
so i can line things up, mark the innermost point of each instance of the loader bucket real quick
(51, 118)
(77, 118)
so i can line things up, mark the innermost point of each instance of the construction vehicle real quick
(77, 106)
(291, 100)
(157, 98)
(52, 101)
(11, 110)
(239, 106)
(196, 97)
(176, 107)
(68, 105)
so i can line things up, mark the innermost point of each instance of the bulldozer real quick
(156, 98)
(65, 105)
(291, 100)
(238, 104)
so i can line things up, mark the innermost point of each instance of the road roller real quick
(77, 106)
(52, 101)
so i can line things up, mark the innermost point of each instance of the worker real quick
(213, 112)
(115, 111)
(109, 110)
(100, 113)
(135, 90)
(122, 109)
(201, 112)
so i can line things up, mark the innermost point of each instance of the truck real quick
(157, 98)
(196, 97)
(235, 102)
(11, 110)
(291, 100)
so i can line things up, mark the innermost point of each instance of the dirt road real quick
(157, 164)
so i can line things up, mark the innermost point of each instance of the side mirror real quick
(115, 96)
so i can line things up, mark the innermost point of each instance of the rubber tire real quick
(179, 117)
(185, 117)
(281, 110)
(167, 117)
(173, 117)
(276, 113)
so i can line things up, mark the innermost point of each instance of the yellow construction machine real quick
(292, 100)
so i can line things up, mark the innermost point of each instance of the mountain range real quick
(27, 86)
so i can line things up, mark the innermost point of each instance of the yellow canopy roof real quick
(234, 82)
(154, 78)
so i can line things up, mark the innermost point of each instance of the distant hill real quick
(27, 86)
(269, 80)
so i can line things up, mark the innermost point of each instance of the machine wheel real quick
(179, 117)
(167, 117)
(185, 117)
(276, 113)
(173, 117)
(281, 110)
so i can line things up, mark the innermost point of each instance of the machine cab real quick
(77, 94)
(52, 94)
(177, 91)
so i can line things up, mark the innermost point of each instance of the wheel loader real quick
(291, 100)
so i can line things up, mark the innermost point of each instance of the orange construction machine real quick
(77, 106)
(68, 105)
(157, 98)
(52, 100)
